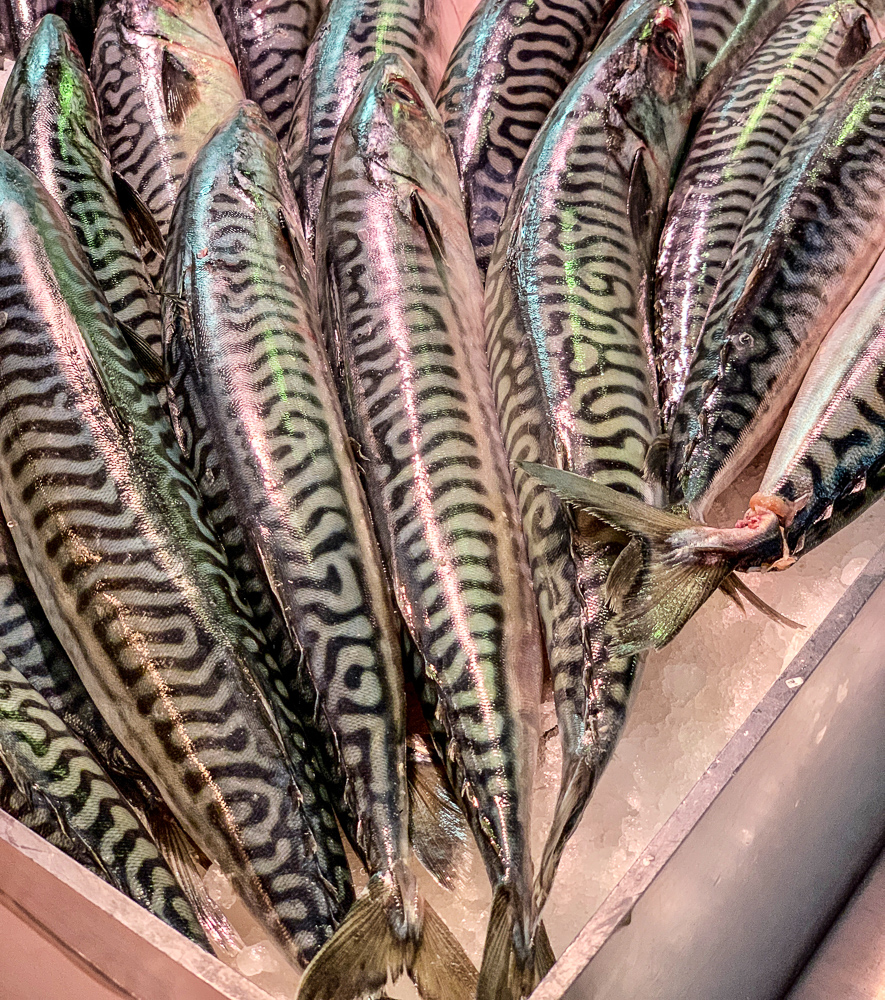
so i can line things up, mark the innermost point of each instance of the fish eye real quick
(403, 92)
(665, 39)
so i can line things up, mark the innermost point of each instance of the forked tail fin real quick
(671, 564)
(390, 930)
(513, 961)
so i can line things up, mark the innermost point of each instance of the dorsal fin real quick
(180, 90)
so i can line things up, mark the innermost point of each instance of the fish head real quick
(49, 89)
(398, 132)
(648, 78)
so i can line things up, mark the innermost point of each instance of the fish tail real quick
(671, 564)
(578, 781)
(514, 960)
(390, 930)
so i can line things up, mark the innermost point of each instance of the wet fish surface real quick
(401, 299)
(737, 143)
(351, 38)
(512, 62)
(269, 39)
(101, 513)
(803, 252)
(568, 317)
(164, 78)
(49, 121)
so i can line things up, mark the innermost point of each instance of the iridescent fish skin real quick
(269, 39)
(712, 22)
(257, 414)
(758, 20)
(53, 770)
(352, 36)
(827, 466)
(568, 316)
(508, 69)
(80, 15)
(402, 308)
(737, 143)
(49, 121)
(110, 531)
(804, 250)
(164, 78)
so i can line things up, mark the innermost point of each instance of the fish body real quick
(737, 143)
(49, 121)
(53, 772)
(402, 302)
(351, 37)
(804, 250)
(164, 78)
(135, 587)
(269, 39)
(712, 22)
(567, 313)
(80, 15)
(509, 67)
(827, 464)
(257, 414)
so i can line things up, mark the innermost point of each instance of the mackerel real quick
(109, 529)
(804, 250)
(508, 69)
(49, 121)
(567, 313)
(52, 770)
(269, 39)
(262, 413)
(712, 22)
(737, 143)
(352, 36)
(24, 15)
(402, 299)
(164, 78)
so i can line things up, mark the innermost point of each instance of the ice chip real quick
(219, 887)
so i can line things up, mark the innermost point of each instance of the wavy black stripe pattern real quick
(102, 528)
(512, 62)
(59, 138)
(350, 39)
(269, 39)
(736, 146)
(408, 347)
(712, 21)
(148, 147)
(804, 250)
(258, 416)
(62, 788)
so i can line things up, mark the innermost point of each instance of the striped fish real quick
(49, 121)
(804, 250)
(136, 589)
(269, 39)
(737, 143)
(757, 21)
(828, 464)
(22, 17)
(258, 414)
(52, 770)
(164, 79)
(350, 39)
(712, 22)
(402, 303)
(567, 312)
(512, 62)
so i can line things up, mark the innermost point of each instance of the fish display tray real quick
(727, 901)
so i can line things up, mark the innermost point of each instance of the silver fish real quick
(164, 78)
(567, 312)
(49, 121)
(804, 250)
(737, 143)
(269, 39)
(508, 69)
(402, 299)
(80, 15)
(350, 39)
(53, 771)
(101, 514)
